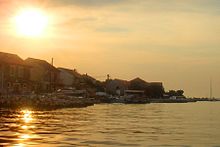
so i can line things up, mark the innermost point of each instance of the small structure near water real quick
(135, 97)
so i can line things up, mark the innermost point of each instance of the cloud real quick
(88, 2)
(190, 6)
(112, 29)
(57, 3)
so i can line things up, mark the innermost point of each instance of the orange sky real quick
(174, 41)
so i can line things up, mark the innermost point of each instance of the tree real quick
(172, 93)
(179, 92)
(175, 93)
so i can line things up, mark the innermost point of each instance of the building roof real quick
(11, 58)
(70, 71)
(43, 63)
(156, 83)
(139, 80)
(88, 77)
(118, 81)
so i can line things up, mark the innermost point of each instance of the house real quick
(14, 74)
(92, 85)
(69, 78)
(44, 76)
(138, 84)
(116, 86)
(155, 90)
(152, 89)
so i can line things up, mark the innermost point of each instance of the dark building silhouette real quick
(14, 74)
(116, 86)
(44, 76)
(151, 89)
(69, 78)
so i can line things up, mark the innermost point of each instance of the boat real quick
(72, 92)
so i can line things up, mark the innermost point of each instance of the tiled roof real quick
(70, 71)
(139, 80)
(11, 58)
(45, 64)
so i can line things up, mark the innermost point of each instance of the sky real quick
(176, 42)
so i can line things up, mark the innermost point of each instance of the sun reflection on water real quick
(25, 136)
(27, 116)
(19, 145)
(26, 128)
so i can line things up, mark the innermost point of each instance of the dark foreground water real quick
(191, 124)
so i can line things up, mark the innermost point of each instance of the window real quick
(9, 84)
(21, 72)
(12, 70)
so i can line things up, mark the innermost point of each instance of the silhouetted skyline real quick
(173, 41)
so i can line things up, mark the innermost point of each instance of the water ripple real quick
(114, 125)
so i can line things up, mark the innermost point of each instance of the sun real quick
(31, 22)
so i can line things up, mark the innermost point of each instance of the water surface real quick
(190, 124)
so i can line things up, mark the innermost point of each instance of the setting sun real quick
(31, 22)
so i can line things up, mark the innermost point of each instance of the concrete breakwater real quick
(185, 100)
(44, 102)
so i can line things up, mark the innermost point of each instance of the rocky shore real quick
(44, 102)
(172, 100)
(55, 101)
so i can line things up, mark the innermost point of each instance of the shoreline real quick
(44, 102)
(52, 102)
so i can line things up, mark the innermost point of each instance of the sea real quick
(114, 125)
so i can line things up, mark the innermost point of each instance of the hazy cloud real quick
(88, 2)
(112, 29)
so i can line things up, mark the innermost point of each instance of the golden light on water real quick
(25, 136)
(27, 116)
(26, 128)
(19, 145)
(31, 22)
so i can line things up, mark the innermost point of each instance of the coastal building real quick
(92, 85)
(44, 76)
(151, 89)
(72, 79)
(116, 86)
(135, 93)
(69, 78)
(138, 84)
(14, 74)
(18, 76)
(89, 80)
(155, 90)
(135, 96)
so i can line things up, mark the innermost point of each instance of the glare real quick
(19, 145)
(24, 127)
(31, 22)
(25, 136)
(27, 117)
